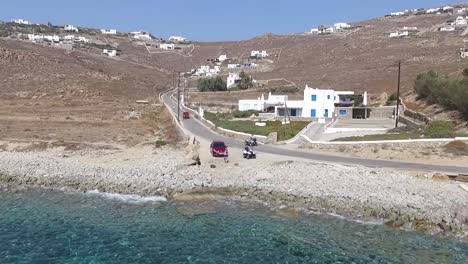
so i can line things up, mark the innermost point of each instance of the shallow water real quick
(40, 226)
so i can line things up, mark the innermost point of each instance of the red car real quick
(186, 115)
(218, 149)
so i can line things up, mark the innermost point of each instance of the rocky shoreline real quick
(402, 199)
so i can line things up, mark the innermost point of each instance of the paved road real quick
(199, 130)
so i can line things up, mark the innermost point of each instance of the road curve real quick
(199, 130)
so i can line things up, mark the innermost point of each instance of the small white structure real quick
(167, 46)
(233, 66)
(109, 31)
(447, 29)
(81, 39)
(70, 28)
(317, 103)
(463, 53)
(433, 10)
(222, 58)
(53, 38)
(314, 31)
(342, 26)
(410, 28)
(259, 54)
(177, 39)
(404, 34)
(447, 9)
(460, 21)
(394, 35)
(69, 37)
(109, 52)
(232, 80)
(397, 13)
(141, 35)
(462, 10)
(20, 21)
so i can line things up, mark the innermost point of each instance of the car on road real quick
(218, 149)
(186, 115)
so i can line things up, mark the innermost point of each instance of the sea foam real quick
(128, 198)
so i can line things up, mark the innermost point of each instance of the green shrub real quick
(160, 143)
(440, 129)
(211, 84)
(450, 93)
(244, 114)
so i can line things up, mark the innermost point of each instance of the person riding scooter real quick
(251, 142)
(248, 153)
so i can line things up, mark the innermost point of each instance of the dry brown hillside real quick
(363, 60)
(46, 94)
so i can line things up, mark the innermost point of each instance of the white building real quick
(341, 26)
(70, 28)
(81, 39)
(167, 46)
(447, 9)
(233, 66)
(109, 31)
(20, 21)
(462, 10)
(232, 80)
(259, 54)
(314, 31)
(141, 35)
(460, 21)
(317, 103)
(394, 35)
(222, 58)
(177, 39)
(69, 37)
(397, 13)
(433, 10)
(109, 52)
(447, 29)
(463, 53)
(404, 34)
(410, 28)
(53, 38)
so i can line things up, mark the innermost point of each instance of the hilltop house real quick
(258, 54)
(317, 103)
(397, 13)
(54, 38)
(109, 52)
(109, 31)
(433, 10)
(70, 28)
(167, 46)
(342, 26)
(232, 80)
(177, 39)
(20, 21)
(459, 21)
(141, 35)
(462, 10)
(447, 9)
(314, 31)
(222, 58)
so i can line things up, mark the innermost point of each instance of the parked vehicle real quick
(186, 115)
(218, 149)
(248, 153)
(251, 142)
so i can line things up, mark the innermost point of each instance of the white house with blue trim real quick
(317, 103)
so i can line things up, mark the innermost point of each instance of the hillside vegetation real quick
(449, 92)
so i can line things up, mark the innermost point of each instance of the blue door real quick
(293, 112)
(326, 112)
(313, 113)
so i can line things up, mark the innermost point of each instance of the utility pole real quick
(178, 99)
(397, 112)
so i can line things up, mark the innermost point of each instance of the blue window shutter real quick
(314, 98)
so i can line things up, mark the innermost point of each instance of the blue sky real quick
(206, 20)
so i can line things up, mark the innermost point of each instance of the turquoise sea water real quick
(38, 226)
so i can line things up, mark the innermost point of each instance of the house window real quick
(343, 112)
(328, 97)
(326, 113)
(314, 98)
(313, 113)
